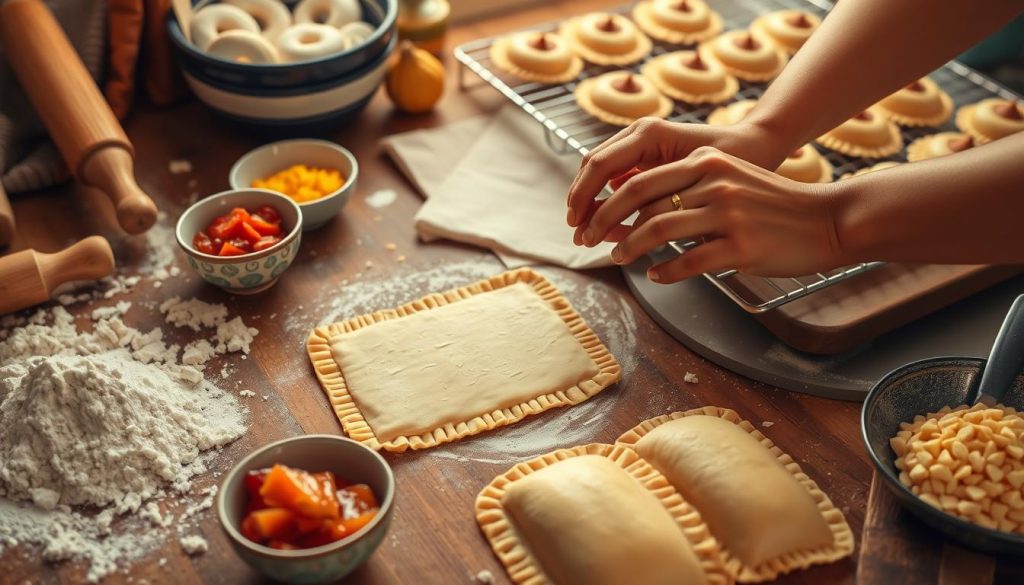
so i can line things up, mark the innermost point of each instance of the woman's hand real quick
(751, 219)
(652, 142)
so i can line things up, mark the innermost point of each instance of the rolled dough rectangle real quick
(459, 363)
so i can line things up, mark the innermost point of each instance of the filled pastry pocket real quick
(458, 363)
(769, 517)
(596, 515)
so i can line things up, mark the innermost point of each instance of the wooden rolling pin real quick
(67, 100)
(28, 277)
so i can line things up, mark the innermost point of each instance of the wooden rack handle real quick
(67, 100)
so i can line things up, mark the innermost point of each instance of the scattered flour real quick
(382, 198)
(106, 420)
(179, 167)
(193, 544)
(767, 424)
(485, 577)
(690, 378)
(247, 394)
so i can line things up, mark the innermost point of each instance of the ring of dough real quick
(806, 165)
(242, 46)
(301, 42)
(598, 97)
(921, 103)
(984, 124)
(459, 363)
(761, 63)
(583, 35)
(272, 15)
(731, 113)
(872, 169)
(867, 135)
(936, 145)
(336, 13)
(768, 515)
(662, 20)
(674, 78)
(596, 514)
(778, 27)
(215, 19)
(355, 33)
(517, 55)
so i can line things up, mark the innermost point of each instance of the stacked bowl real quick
(313, 94)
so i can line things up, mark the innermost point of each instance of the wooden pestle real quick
(67, 100)
(28, 277)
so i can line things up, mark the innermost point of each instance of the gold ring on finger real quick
(677, 202)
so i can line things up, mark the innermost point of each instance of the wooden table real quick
(434, 538)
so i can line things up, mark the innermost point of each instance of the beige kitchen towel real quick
(494, 182)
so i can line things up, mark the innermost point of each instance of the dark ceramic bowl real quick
(307, 94)
(346, 458)
(918, 388)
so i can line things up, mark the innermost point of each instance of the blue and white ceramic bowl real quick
(248, 273)
(296, 96)
(330, 562)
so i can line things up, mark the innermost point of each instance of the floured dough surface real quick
(450, 364)
(757, 509)
(587, 521)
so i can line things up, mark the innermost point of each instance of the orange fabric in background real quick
(139, 53)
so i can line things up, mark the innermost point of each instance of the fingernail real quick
(571, 217)
(616, 255)
(588, 237)
(653, 275)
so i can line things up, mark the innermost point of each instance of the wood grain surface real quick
(434, 538)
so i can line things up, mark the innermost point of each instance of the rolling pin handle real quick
(87, 259)
(109, 169)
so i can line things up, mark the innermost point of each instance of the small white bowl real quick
(272, 158)
(248, 273)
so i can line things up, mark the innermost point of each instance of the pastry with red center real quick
(936, 145)
(606, 39)
(991, 119)
(621, 98)
(806, 165)
(731, 113)
(921, 103)
(687, 77)
(746, 54)
(868, 134)
(788, 29)
(680, 22)
(544, 57)
(872, 169)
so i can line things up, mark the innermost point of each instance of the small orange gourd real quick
(415, 80)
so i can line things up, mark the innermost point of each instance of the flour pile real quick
(106, 421)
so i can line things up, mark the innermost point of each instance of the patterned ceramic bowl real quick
(248, 273)
(346, 458)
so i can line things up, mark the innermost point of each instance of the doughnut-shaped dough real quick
(679, 22)
(301, 42)
(685, 76)
(544, 57)
(242, 46)
(272, 15)
(731, 113)
(868, 134)
(922, 103)
(621, 97)
(789, 29)
(936, 145)
(215, 19)
(336, 13)
(806, 165)
(606, 39)
(746, 54)
(355, 33)
(991, 119)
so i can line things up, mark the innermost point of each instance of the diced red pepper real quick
(356, 524)
(274, 524)
(269, 214)
(202, 243)
(230, 249)
(263, 226)
(304, 492)
(265, 242)
(250, 233)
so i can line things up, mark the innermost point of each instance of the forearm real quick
(966, 208)
(865, 50)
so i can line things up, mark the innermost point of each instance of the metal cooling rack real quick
(568, 129)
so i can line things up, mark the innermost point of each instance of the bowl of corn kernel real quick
(318, 175)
